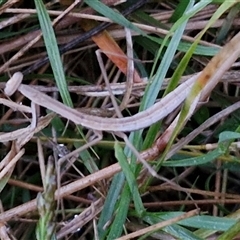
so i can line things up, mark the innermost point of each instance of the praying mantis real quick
(141, 120)
(206, 80)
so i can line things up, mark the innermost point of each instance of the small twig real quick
(104, 74)
(130, 70)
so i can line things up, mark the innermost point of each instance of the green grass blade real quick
(153, 46)
(228, 135)
(205, 222)
(195, 161)
(53, 51)
(121, 215)
(231, 233)
(175, 230)
(179, 11)
(113, 15)
(122, 159)
(108, 209)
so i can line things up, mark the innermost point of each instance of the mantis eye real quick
(13, 83)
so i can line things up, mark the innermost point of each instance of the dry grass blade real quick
(80, 220)
(28, 132)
